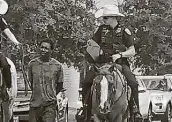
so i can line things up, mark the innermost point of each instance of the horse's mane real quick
(114, 70)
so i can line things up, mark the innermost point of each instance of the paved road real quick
(72, 112)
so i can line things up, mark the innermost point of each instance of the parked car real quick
(144, 98)
(160, 91)
(21, 104)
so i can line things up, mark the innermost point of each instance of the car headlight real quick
(159, 97)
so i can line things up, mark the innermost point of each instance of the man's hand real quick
(9, 91)
(18, 45)
(115, 57)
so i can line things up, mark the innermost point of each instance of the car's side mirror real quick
(63, 90)
(142, 89)
(170, 89)
(80, 90)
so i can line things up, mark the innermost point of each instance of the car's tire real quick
(167, 114)
(150, 115)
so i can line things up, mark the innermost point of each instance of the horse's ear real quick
(96, 69)
(115, 66)
(111, 69)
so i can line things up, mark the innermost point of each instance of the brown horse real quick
(109, 95)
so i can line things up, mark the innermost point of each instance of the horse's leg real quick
(126, 115)
(124, 119)
(7, 111)
(96, 118)
(118, 118)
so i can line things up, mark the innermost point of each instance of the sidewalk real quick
(71, 115)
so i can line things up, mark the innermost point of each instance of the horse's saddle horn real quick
(115, 66)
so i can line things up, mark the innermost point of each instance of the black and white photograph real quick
(85, 61)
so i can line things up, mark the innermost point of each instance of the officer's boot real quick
(87, 102)
(138, 115)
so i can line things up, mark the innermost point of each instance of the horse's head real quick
(105, 87)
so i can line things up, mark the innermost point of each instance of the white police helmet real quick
(3, 7)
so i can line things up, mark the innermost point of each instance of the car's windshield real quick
(156, 84)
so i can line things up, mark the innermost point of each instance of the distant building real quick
(71, 83)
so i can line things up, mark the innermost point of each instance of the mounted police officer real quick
(5, 86)
(5, 67)
(3, 23)
(111, 42)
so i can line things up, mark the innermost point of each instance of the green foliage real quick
(151, 22)
(68, 23)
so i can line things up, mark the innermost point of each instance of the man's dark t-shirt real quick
(3, 24)
(5, 69)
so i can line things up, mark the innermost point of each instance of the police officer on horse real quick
(6, 85)
(115, 45)
(3, 23)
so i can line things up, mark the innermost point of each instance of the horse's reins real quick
(123, 84)
(121, 93)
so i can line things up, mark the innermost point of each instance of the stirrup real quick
(138, 116)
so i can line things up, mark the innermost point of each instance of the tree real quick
(151, 23)
(68, 23)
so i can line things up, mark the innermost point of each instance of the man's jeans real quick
(43, 113)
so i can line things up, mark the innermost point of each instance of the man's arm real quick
(30, 75)
(128, 42)
(5, 70)
(60, 80)
(11, 36)
(129, 52)
(6, 30)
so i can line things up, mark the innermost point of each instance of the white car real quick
(160, 92)
(144, 98)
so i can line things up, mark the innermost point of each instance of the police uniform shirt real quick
(127, 37)
(3, 24)
(113, 40)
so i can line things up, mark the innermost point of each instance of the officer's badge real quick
(105, 31)
(118, 30)
(127, 31)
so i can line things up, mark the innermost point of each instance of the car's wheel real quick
(150, 115)
(167, 114)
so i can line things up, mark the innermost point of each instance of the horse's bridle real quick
(123, 90)
(113, 88)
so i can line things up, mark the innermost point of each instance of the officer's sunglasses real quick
(106, 17)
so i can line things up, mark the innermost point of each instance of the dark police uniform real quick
(5, 67)
(3, 24)
(112, 41)
(6, 73)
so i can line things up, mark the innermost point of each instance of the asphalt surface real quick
(72, 112)
(71, 115)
